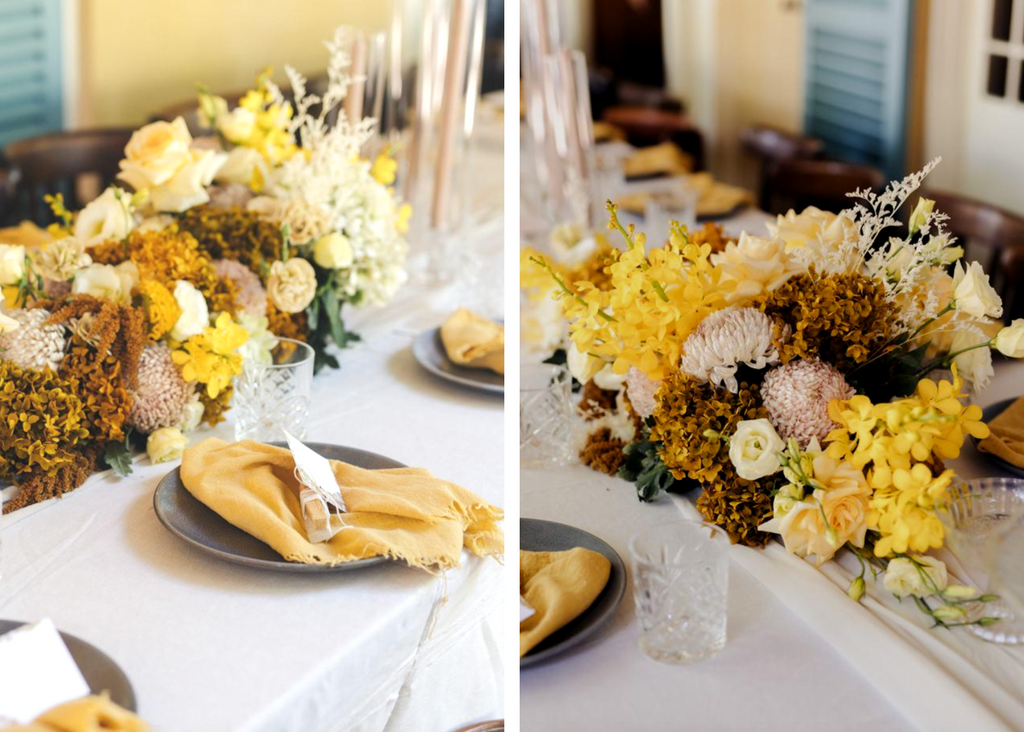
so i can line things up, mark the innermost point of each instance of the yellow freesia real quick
(210, 358)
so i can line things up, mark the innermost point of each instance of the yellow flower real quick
(904, 513)
(384, 168)
(402, 221)
(162, 309)
(211, 357)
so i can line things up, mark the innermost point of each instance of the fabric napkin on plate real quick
(559, 586)
(713, 197)
(663, 159)
(402, 513)
(1007, 438)
(88, 714)
(474, 341)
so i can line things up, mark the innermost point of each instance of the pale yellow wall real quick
(138, 56)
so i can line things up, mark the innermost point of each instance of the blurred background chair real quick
(798, 184)
(770, 146)
(992, 237)
(77, 164)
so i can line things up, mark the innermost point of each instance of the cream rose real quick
(195, 315)
(107, 217)
(904, 578)
(844, 499)
(754, 449)
(756, 265)
(333, 251)
(106, 281)
(973, 294)
(12, 264)
(155, 154)
(974, 365)
(187, 187)
(166, 443)
(292, 285)
(8, 324)
(1010, 341)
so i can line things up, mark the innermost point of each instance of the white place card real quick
(525, 610)
(320, 492)
(37, 673)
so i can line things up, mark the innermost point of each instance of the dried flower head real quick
(306, 222)
(251, 297)
(60, 259)
(99, 383)
(162, 394)
(35, 345)
(797, 396)
(162, 310)
(723, 341)
(234, 234)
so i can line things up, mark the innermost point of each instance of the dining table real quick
(799, 653)
(212, 646)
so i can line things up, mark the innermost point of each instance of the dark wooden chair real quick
(991, 236)
(798, 184)
(771, 145)
(645, 126)
(60, 163)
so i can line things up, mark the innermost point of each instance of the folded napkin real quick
(25, 234)
(559, 586)
(713, 198)
(663, 159)
(606, 132)
(402, 513)
(89, 714)
(474, 341)
(1007, 438)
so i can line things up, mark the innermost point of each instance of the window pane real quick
(1002, 12)
(997, 66)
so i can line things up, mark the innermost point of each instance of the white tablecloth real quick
(214, 647)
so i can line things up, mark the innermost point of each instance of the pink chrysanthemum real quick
(252, 298)
(797, 395)
(162, 395)
(641, 391)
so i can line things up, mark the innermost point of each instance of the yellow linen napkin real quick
(559, 586)
(88, 714)
(713, 198)
(606, 132)
(1007, 438)
(25, 234)
(402, 513)
(663, 159)
(474, 341)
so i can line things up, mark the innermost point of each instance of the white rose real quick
(12, 263)
(756, 265)
(292, 285)
(195, 315)
(903, 577)
(1010, 341)
(973, 293)
(333, 251)
(106, 281)
(8, 324)
(166, 443)
(237, 125)
(753, 448)
(974, 365)
(241, 166)
(187, 187)
(582, 366)
(155, 153)
(107, 217)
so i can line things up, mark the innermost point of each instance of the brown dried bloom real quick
(215, 408)
(234, 234)
(100, 385)
(64, 479)
(306, 222)
(596, 401)
(119, 330)
(603, 452)
(713, 235)
(739, 508)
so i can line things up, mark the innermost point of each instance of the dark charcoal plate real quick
(99, 670)
(191, 520)
(428, 349)
(987, 415)
(536, 535)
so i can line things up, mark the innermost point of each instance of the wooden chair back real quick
(771, 145)
(798, 184)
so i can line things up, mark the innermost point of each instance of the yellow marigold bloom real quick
(210, 357)
(162, 310)
(384, 168)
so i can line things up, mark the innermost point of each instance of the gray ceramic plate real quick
(429, 351)
(100, 672)
(987, 415)
(201, 527)
(536, 535)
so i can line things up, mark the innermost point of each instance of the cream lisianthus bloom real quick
(754, 449)
(333, 251)
(756, 265)
(975, 365)
(1010, 341)
(292, 285)
(8, 324)
(155, 154)
(12, 263)
(973, 294)
(903, 577)
(109, 216)
(921, 212)
(582, 366)
(166, 443)
(107, 281)
(195, 314)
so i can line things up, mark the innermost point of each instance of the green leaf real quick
(118, 457)
(644, 468)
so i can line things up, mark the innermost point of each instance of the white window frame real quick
(1012, 49)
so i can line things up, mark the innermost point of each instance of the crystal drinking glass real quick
(978, 510)
(680, 584)
(273, 398)
(545, 415)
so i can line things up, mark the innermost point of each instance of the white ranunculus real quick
(166, 443)
(155, 153)
(12, 263)
(195, 315)
(333, 251)
(107, 281)
(582, 366)
(973, 294)
(974, 365)
(1010, 341)
(187, 187)
(240, 166)
(754, 449)
(107, 217)
(903, 578)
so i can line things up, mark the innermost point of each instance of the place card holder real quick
(320, 498)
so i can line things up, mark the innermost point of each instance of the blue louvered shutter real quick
(30, 68)
(858, 56)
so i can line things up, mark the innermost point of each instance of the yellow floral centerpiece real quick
(788, 377)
